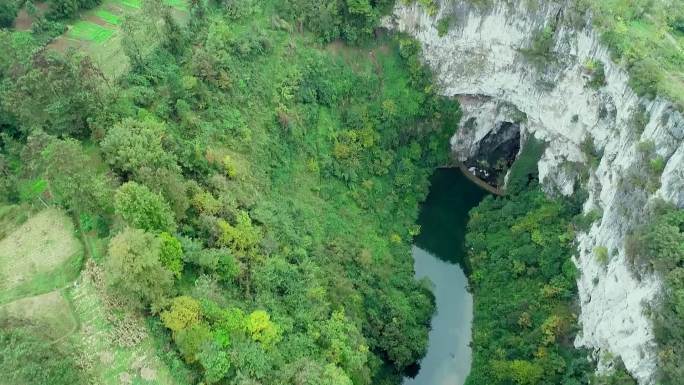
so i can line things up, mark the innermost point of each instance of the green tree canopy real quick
(143, 209)
(134, 270)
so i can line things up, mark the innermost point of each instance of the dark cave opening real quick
(496, 153)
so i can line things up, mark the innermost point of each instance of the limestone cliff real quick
(600, 139)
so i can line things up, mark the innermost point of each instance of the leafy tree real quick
(143, 209)
(345, 346)
(72, 179)
(171, 253)
(519, 339)
(215, 362)
(262, 329)
(185, 312)
(191, 340)
(242, 236)
(132, 145)
(60, 94)
(134, 270)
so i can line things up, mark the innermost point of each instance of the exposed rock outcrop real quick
(600, 139)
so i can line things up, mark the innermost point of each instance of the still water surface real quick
(439, 254)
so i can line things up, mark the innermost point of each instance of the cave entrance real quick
(495, 155)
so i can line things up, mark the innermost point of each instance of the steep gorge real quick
(599, 138)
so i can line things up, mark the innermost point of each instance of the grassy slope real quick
(39, 256)
(642, 32)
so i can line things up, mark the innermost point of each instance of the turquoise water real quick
(439, 254)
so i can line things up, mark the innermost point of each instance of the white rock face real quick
(479, 60)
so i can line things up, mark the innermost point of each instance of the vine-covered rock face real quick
(601, 138)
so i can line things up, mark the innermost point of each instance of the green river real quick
(439, 255)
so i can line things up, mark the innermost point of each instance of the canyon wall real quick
(599, 139)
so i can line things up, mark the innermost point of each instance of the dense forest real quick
(248, 187)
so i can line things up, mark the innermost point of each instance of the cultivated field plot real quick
(50, 314)
(98, 32)
(39, 256)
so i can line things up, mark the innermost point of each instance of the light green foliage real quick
(171, 253)
(89, 31)
(134, 270)
(345, 346)
(243, 236)
(657, 165)
(143, 209)
(108, 17)
(601, 255)
(214, 361)
(229, 167)
(595, 69)
(443, 26)
(185, 312)
(644, 35)
(191, 340)
(262, 329)
(540, 50)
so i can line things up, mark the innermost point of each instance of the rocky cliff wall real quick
(600, 139)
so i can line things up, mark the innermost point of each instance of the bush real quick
(601, 255)
(597, 74)
(443, 26)
(646, 75)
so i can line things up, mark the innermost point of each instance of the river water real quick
(439, 255)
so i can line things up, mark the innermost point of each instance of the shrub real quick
(596, 71)
(443, 26)
(601, 255)
(645, 78)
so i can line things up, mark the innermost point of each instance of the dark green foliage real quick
(523, 281)
(351, 20)
(61, 95)
(8, 12)
(443, 25)
(28, 359)
(524, 169)
(678, 25)
(597, 75)
(66, 9)
(646, 77)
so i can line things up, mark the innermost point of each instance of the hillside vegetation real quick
(238, 191)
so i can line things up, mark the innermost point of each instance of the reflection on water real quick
(439, 255)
